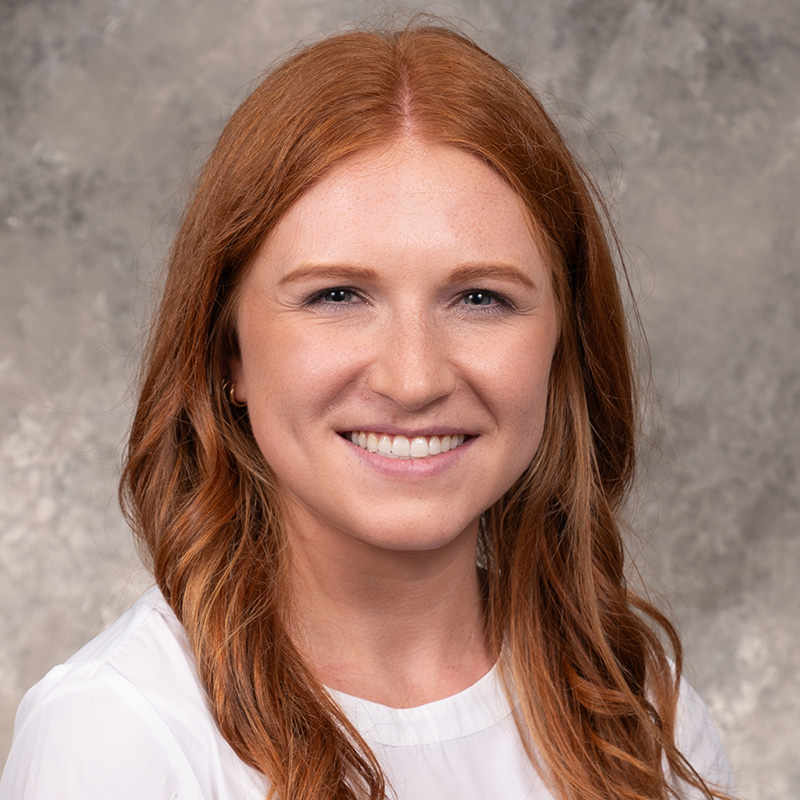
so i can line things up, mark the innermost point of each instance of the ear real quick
(236, 372)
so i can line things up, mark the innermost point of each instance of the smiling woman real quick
(411, 234)
(385, 431)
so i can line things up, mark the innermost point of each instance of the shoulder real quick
(699, 741)
(125, 717)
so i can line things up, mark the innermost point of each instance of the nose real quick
(412, 364)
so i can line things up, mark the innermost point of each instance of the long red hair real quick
(596, 693)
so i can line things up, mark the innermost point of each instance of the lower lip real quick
(427, 467)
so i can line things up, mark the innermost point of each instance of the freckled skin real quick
(352, 317)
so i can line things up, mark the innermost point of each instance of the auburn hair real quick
(594, 693)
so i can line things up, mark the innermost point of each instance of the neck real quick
(396, 627)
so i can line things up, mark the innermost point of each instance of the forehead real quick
(413, 198)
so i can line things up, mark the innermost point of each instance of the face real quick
(396, 332)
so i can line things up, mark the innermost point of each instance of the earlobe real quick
(235, 387)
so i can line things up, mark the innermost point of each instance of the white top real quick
(126, 718)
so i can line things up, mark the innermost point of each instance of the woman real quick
(385, 432)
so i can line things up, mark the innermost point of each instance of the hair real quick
(594, 691)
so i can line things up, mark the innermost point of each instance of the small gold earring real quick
(229, 389)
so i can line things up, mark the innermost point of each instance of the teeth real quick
(418, 447)
(402, 446)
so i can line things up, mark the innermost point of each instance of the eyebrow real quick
(351, 273)
(476, 272)
(339, 272)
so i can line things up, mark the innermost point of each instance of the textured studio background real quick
(689, 113)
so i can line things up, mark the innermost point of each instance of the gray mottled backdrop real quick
(105, 105)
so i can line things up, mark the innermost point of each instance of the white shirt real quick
(126, 718)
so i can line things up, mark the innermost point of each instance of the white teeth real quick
(403, 447)
(419, 447)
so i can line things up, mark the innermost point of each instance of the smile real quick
(402, 447)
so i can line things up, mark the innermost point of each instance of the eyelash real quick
(499, 302)
(319, 298)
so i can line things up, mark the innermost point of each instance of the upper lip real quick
(399, 430)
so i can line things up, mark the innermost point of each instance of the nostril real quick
(414, 388)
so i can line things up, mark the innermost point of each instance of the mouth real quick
(414, 447)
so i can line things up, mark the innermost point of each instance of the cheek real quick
(528, 409)
(322, 361)
(517, 370)
(293, 374)
(521, 380)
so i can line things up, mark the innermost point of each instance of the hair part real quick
(596, 693)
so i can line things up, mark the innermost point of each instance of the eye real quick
(480, 298)
(485, 300)
(336, 296)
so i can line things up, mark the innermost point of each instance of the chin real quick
(421, 540)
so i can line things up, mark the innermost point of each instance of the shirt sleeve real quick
(94, 737)
(699, 741)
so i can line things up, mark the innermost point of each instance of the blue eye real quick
(484, 301)
(480, 298)
(338, 296)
